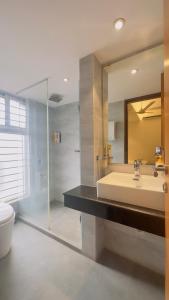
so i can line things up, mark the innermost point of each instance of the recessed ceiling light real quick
(66, 79)
(119, 23)
(134, 71)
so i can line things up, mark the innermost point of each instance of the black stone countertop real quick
(84, 199)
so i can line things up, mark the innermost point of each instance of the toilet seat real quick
(6, 212)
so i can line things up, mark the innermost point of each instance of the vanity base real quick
(84, 199)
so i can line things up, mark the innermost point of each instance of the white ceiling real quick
(123, 85)
(46, 38)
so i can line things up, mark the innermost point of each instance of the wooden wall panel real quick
(166, 120)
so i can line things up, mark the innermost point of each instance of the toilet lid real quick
(6, 212)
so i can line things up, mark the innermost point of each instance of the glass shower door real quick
(34, 207)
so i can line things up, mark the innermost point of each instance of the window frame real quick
(9, 129)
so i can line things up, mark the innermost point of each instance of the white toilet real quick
(7, 217)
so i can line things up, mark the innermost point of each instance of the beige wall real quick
(143, 136)
(91, 120)
(91, 137)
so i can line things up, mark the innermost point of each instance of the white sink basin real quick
(148, 192)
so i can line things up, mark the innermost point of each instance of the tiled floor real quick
(64, 222)
(40, 268)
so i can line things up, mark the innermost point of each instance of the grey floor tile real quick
(40, 268)
(65, 222)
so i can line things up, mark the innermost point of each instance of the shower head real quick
(56, 98)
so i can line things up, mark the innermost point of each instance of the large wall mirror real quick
(135, 106)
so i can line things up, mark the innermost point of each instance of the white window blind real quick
(2, 111)
(14, 150)
(17, 114)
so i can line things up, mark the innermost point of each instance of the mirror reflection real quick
(143, 129)
(135, 106)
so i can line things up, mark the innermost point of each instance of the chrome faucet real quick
(137, 165)
(159, 168)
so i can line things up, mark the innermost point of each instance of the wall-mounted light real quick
(66, 79)
(119, 23)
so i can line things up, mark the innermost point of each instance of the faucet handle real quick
(160, 168)
(155, 173)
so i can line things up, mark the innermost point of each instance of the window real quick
(2, 111)
(14, 146)
(17, 114)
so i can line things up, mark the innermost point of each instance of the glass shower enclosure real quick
(35, 205)
(53, 162)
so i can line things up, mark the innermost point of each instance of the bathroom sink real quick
(148, 192)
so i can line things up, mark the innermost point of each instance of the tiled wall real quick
(37, 161)
(64, 157)
(86, 121)
(91, 134)
(64, 162)
(91, 137)
(141, 247)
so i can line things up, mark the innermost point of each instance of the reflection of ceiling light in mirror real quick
(66, 79)
(119, 23)
(134, 71)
